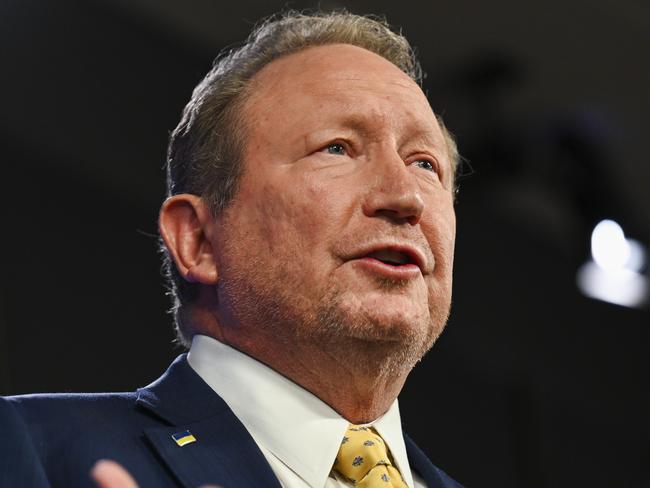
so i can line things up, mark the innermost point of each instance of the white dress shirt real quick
(298, 434)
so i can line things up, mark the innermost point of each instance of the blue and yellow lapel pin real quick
(183, 438)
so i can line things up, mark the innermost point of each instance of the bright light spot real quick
(609, 247)
(637, 258)
(614, 274)
(618, 286)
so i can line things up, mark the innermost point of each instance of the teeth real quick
(390, 257)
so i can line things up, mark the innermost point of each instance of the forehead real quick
(338, 81)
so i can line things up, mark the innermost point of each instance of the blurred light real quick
(609, 248)
(620, 286)
(613, 274)
(637, 258)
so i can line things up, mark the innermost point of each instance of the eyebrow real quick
(362, 124)
(356, 122)
(426, 137)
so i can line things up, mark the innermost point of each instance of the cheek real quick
(289, 217)
(449, 241)
(440, 231)
(440, 217)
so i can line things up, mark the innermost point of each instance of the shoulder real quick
(62, 435)
(108, 416)
(19, 461)
(70, 432)
(67, 415)
(59, 403)
(62, 417)
(60, 409)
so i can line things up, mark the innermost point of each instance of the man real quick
(309, 232)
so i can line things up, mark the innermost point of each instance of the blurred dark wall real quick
(532, 384)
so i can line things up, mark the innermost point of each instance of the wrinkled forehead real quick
(338, 79)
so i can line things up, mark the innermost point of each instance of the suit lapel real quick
(224, 453)
(420, 463)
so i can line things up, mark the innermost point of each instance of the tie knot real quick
(363, 458)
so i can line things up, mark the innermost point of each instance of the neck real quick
(359, 379)
(349, 379)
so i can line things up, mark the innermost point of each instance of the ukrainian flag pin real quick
(183, 438)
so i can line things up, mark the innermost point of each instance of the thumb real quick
(109, 474)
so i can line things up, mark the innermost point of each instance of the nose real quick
(395, 193)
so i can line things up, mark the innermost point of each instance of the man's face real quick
(342, 230)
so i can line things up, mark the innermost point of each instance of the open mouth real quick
(392, 257)
(395, 261)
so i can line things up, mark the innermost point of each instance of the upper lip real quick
(414, 253)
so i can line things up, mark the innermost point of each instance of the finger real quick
(109, 474)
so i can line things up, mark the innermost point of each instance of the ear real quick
(185, 225)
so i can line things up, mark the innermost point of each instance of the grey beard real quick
(360, 341)
(373, 348)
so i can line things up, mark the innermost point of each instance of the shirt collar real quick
(292, 423)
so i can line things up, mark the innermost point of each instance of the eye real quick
(335, 148)
(424, 164)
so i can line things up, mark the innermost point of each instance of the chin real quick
(387, 317)
(396, 340)
(397, 327)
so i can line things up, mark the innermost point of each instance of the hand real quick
(109, 474)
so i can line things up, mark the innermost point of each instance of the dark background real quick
(532, 384)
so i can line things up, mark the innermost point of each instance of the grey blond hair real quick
(205, 149)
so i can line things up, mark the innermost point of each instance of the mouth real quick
(392, 257)
(397, 262)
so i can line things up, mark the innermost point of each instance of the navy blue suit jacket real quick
(54, 440)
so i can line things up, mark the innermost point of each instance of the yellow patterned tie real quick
(364, 459)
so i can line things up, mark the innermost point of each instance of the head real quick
(304, 159)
